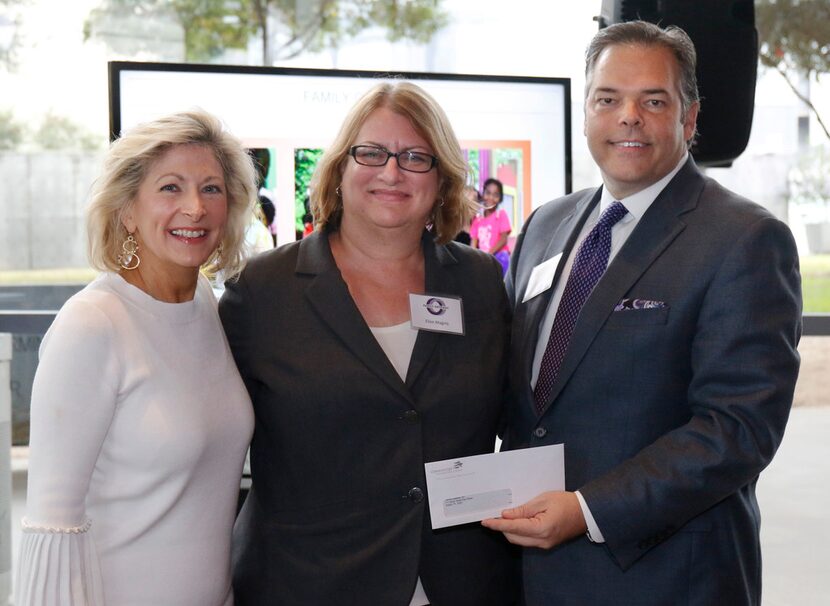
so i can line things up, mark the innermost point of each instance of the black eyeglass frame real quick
(433, 163)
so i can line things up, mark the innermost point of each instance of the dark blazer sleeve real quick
(237, 315)
(742, 373)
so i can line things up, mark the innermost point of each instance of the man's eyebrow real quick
(647, 91)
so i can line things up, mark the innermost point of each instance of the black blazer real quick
(669, 413)
(337, 513)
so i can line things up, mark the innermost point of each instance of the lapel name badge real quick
(436, 313)
(541, 277)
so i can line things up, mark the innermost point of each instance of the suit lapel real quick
(562, 241)
(438, 281)
(529, 315)
(329, 296)
(660, 225)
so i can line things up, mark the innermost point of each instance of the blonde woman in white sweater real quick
(139, 420)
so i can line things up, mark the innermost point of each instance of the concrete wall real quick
(42, 203)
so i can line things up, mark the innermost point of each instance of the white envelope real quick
(470, 489)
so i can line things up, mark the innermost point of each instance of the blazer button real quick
(416, 495)
(411, 416)
(540, 432)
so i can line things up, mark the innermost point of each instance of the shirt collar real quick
(637, 204)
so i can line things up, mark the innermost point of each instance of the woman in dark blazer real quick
(350, 399)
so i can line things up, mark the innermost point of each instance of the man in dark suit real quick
(657, 341)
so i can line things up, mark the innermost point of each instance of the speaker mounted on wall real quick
(726, 41)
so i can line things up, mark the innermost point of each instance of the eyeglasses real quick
(412, 161)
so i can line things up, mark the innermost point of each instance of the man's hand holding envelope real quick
(545, 521)
(471, 489)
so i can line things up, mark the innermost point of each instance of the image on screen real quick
(515, 129)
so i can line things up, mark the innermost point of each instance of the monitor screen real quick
(516, 129)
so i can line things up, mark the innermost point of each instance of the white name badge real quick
(437, 313)
(541, 277)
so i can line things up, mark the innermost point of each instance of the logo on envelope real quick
(456, 467)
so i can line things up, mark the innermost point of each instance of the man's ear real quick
(690, 121)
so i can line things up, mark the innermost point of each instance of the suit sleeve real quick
(744, 365)
(505, 315)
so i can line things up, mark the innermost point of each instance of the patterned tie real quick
(588, 267)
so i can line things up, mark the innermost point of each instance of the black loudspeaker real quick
(726, 40)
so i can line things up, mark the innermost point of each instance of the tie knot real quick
(611, 215)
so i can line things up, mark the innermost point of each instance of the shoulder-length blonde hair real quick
(452, 208)
(128, 161)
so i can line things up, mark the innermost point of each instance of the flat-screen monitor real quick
(516, 129)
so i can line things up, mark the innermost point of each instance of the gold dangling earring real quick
(129, 259)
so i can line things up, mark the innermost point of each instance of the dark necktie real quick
(588, 266)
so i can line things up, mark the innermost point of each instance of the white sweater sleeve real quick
(73, 401)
